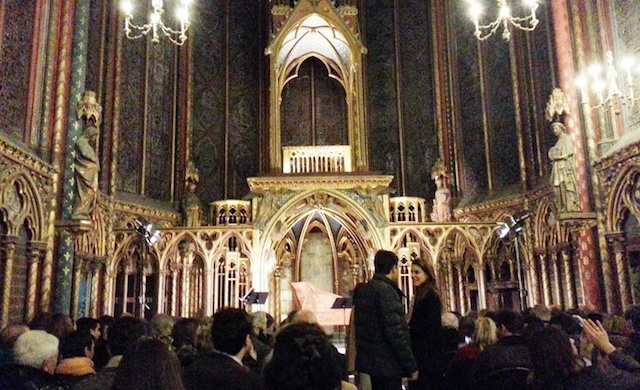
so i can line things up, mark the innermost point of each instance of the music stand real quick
(255, 298)
(343, 303)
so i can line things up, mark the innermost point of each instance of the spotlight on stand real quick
(509, 231)
(146, 230)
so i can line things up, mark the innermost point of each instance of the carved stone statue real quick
(191, 206)
(563, 173)
(441, 211)
(86, 173)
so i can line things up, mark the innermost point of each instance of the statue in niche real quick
(87, 165)
(191, 206)
(441, 211)
(563, 172)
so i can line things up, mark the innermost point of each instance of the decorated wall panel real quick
(380, 85)
(245, 56)
(208, 110)
(420, 134)
(160, 122)
(501, 112)
(467, 68)
(15, 57)
(131, 113)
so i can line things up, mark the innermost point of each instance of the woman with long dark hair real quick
(425, 326)
(149, 365)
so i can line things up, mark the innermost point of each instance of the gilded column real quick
(97, 267)
(565, 58)
(34, 255)
(277, 275)
(9, 245)
(482, 290)
(451, 300)
(568, 280)
(555, 272)
(74, 128)
(174, 289)
(78, 268)
(463, 303)
(618, 246)
(186, 250)
(544, 278)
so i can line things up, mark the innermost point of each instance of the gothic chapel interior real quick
(288, 141)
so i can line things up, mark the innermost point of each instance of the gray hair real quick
(449, 320)
(34, 347)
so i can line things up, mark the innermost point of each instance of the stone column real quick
(463, 303)
(34, 257)
(9, 246)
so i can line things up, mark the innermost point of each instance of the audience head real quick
(302, 359)
(184, 332)
(77, 344)
(60, 325)
(615, 324)
(467, 326)
(148, 365)
(567, 323)
(633, 315)
(40, 322)
(105, 322)
(541, 312)
(305, 317)
(271, 322)
(123, 332)
(9, 335)
(89, 325)
(161, 327)
(203, 341)
(37, 349)
(553, 357)
(449, 320)
(508, 322)
(384, 262)
(485, 332)
(422, 274)
(230, 330)
(259, 321)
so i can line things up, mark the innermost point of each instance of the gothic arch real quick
(20, 202)
(625, 194)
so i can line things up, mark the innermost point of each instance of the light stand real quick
(151, 235)
(510, 231)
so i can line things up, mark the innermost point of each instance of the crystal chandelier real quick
(606, 88)
(504, 19)
(156, 26)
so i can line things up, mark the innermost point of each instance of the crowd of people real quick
(541, 348)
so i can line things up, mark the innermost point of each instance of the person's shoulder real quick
(344, 385)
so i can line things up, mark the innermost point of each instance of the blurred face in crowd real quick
(418, 276)
(95, 332)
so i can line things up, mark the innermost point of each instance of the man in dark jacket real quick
(223, 368)
(383, 345)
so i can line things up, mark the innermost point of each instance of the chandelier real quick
(504, 19)
(156, 25)
(603, 81)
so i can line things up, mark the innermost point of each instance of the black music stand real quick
(343, 303)
(255, 298)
